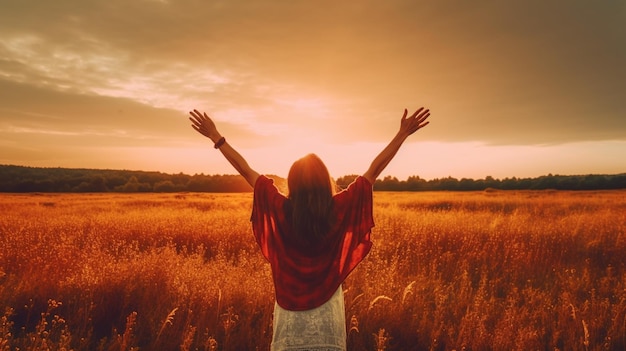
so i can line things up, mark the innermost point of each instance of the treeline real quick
(21, 179)
(556, 182)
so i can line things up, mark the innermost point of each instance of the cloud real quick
(495, 72)
(48, 118)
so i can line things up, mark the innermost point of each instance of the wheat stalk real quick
(356, 298)
(586, 341)
(210, 344)
(378, 298)
(354, 325)
(168, 320)
(188, 338)
(381, 339)
(219, 302)
(408, 290)
(126, 338)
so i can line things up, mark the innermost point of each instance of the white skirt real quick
(319, 329)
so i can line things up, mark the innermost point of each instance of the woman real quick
(313, 238)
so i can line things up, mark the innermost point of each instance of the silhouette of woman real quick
(312, 238)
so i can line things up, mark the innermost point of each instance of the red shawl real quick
(306, 276)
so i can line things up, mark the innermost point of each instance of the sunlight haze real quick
(515, 88)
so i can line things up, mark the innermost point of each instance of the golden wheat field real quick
(495, 270)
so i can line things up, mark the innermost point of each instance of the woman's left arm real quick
(408, 126)
(205, 126)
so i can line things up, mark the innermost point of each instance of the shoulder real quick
(359, 185)
(265, 187)
(262, 180)
(359, 181)
(364, 181)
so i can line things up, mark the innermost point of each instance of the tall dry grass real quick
(449, 271)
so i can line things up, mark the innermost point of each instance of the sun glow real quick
(533, 100)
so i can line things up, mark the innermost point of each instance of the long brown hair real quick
(311, 191)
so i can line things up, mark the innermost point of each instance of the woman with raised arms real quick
(313, 237)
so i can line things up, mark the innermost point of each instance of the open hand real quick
(417, 121)
(204, 125)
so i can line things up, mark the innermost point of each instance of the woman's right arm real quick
(408, 126)
(205, 126)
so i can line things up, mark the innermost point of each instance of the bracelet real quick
(220, 143)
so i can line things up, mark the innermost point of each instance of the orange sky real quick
(516, 89)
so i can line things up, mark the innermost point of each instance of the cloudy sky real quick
(516, 88)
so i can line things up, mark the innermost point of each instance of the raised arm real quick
(205, 126)
(408, 126)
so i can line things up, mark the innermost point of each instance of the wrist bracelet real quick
(220, 143)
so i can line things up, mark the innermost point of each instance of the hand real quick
(204, 125)
(415, 122)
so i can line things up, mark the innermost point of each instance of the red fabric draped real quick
(306, 276)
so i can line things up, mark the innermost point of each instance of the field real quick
(490, 270)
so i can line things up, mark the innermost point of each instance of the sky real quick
(515, 88)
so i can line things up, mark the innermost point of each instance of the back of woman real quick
(313, 238)
(308, 267)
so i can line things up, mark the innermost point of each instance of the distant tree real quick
(415, 183)
(388, 183)
(34, 179)
(448, 183)
(133, 185)
(567, 183)
(617, 182)
(469, 184)
(180, 180)
(509, 183)
(199, 183)
(165, 186)
(26, 186)
(115, 180)
(94, 185)
(343, 182)
(491, 182)
(83, 187)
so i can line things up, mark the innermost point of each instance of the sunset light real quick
(515, 90)
(305, 175)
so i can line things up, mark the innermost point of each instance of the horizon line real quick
(550, 174)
